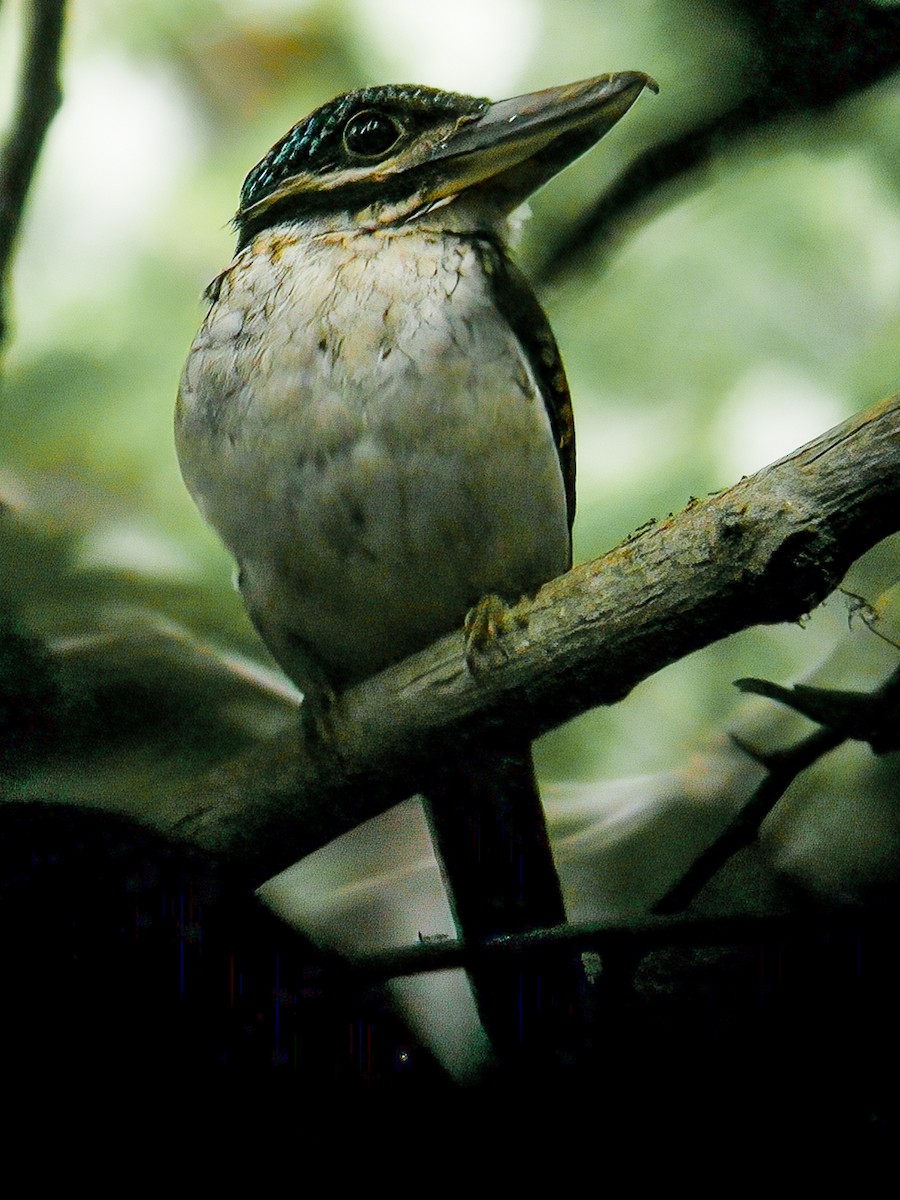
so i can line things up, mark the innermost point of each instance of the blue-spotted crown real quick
(317, 142)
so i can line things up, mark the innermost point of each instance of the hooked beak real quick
(514, 146)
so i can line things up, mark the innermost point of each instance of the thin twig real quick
(784, 767)
(872, 717)
(634, 940)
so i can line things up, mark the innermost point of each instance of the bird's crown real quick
(357, 128)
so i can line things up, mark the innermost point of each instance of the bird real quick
(375, 418)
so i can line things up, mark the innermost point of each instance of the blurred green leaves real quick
(106, 696)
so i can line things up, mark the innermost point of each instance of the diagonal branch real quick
(872, 717)
(864, 716)
(767, 550)
(783, 768)
(39, 99)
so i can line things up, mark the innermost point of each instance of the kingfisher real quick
(375, 418)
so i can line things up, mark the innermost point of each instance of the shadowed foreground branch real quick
(767, 550)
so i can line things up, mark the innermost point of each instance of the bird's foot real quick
(484, 629)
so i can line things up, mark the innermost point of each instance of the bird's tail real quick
(491, 842)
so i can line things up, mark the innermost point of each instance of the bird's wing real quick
(528, 321)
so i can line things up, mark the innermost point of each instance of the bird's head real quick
(385, 156)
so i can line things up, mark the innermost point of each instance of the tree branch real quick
(767, 550)
(633, 939)
(39, 99)
(784, 766)
(871, 717)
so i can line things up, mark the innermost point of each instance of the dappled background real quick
(755, 306)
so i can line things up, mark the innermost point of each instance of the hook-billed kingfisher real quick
(375, 418)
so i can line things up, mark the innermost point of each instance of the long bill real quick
(514, 146)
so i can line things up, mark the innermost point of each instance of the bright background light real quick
(467, 46)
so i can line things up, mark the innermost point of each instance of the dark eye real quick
(370, 134)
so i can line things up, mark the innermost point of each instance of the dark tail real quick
(490, 838)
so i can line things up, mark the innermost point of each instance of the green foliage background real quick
(759, 308)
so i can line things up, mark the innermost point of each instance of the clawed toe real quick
(485, 626)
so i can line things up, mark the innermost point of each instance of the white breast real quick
(359, 423)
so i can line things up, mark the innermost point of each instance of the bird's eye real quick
(370, 134)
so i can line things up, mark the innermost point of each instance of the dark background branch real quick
(621, 938)
(39, 99)
(871, 717)
(806, 57)
(783, 767)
